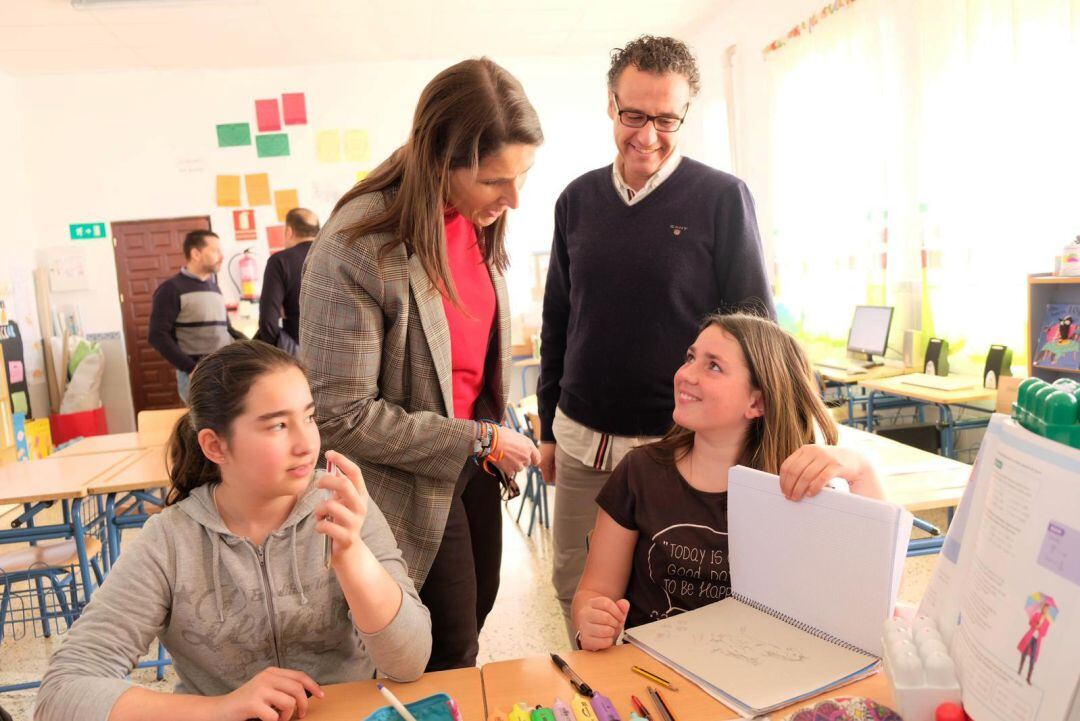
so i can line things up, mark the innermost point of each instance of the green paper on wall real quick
(233, 134)
(18, 403)
(272, 145)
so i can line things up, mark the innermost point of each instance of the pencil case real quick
(431, 708)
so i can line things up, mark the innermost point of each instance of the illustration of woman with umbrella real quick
(1041, 611)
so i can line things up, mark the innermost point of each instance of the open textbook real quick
(1006, 589)
(812, 582)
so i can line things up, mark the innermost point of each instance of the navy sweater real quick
(627, 287)
(279, 303)
(188, 320)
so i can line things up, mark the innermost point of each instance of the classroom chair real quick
(25, 598)
(158, 423)
(535, 491)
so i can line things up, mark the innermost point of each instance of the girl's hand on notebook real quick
(807, 470)
(601, 622)
(273, 694)
(342, 516)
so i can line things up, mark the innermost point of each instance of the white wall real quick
(16, 268)
(141, 145)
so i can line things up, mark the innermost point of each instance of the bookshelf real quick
(1044, 289)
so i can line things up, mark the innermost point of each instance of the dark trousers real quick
(461, 586)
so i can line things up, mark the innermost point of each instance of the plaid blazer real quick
(376, 345)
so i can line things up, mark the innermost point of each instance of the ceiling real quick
(50, 36)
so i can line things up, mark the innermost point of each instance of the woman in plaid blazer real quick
(405, 332)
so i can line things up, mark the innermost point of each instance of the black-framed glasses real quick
(636, 119)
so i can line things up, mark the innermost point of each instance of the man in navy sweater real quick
(644, 248)
(279, 303)
(188, 318)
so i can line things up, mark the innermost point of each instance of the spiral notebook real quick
(812, 583)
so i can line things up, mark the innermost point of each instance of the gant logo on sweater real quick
(677, 229)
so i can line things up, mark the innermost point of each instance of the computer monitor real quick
(870, 330)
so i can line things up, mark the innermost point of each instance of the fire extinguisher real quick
(249, 274)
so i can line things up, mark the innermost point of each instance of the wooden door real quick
(147, 252)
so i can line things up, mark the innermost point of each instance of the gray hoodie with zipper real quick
(226, 609)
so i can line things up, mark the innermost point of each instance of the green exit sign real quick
(87, 231)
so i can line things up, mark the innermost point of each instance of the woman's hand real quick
(807, 470)
(341, 517)
(517, 452)
(273, 694)
(600, 622)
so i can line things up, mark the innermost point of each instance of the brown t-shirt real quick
(681, 556)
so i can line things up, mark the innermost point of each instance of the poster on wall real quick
(1057, 344)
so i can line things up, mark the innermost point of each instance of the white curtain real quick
(950, 125)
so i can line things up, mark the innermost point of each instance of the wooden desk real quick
(53, 479)
(897, 387)
(147, 471)
(110, 443)
(353, 701)
(38, 484)
(837, 375)
(913, 478)
(535, 680)
(944, 400)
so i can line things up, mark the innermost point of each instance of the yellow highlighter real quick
(583, 710)
(520, 712)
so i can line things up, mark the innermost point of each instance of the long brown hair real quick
(219, 389)
(466, 113)
(780, 370)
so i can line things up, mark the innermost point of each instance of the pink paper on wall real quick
(15, 372)
(267, 115)
(294, 107)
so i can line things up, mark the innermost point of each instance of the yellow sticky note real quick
(258, 189)
(228, 191)
(284, 201)
(357, 148)
(361, 174)
(328, 146)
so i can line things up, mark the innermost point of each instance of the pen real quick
(604, 709)
(542, 714)
(398, 706)
(580, 686)
(520, 712)
(664, 708)
(653, 677)
(561, 711)
(640, 708)
(660, 707)
(582, 708)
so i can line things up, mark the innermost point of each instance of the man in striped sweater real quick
(188, 319)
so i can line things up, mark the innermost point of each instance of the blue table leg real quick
(870, 411)
(947, 441)
(80, 547)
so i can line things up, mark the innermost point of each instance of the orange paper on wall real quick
(228, 191)
(258, 189)
(284, 201)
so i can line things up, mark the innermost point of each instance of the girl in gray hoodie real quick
(231, 576)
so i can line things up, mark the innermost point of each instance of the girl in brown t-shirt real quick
(744, 396)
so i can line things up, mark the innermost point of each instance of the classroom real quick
(351, 368)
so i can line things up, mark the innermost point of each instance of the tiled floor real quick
(526, 620)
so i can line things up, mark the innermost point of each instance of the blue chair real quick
(535, 491)
(27, 600)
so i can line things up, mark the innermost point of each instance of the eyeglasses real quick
(662, 123)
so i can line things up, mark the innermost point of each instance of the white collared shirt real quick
(631, 196)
